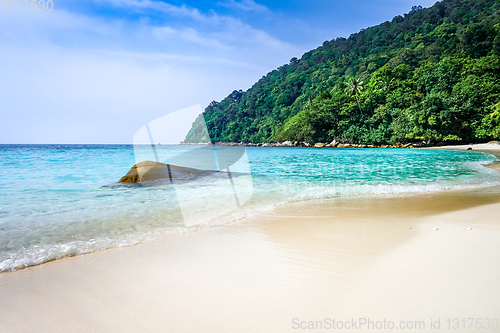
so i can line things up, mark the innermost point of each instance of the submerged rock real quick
(147, 171)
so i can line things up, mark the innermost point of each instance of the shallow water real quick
(63, 200)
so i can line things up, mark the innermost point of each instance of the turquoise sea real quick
(64, 200)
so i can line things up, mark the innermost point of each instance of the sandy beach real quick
(426, 261)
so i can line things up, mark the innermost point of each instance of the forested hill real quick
(432, 74)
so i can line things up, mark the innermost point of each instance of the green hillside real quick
(432, 74)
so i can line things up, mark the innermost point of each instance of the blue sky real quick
(95, 71)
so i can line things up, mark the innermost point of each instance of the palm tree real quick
(354, 87)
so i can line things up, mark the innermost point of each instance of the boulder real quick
(147, 171)
(340, 145)
(287, 144)
(319, 145)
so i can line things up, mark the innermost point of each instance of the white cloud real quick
(29, 24)
(159, 59)
(69, 78)
(163, 7)
(188, 34)
(246, 5)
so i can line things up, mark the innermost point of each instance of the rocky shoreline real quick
(333, 144)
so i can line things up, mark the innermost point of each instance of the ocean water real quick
(64, 200)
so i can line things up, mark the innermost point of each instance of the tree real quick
(354, 87)
(416, 9)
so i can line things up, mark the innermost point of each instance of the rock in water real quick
(147, 171)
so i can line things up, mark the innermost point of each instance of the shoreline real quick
(336, 144)
(492, 149)
(418, 195)
(484, 148)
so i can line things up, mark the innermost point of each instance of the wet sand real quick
(411, 259)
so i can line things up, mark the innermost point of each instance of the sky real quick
(96, 71)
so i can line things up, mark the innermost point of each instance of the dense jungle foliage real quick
(432, 75)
